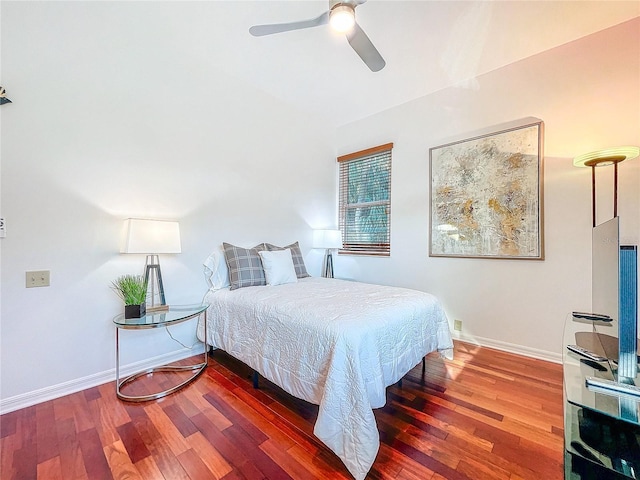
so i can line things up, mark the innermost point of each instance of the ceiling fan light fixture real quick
(342, 18)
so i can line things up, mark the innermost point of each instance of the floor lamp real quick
(627, 347)
(152, 238)
(603, 158)
(328, 240)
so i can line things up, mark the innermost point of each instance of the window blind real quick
(365, 201)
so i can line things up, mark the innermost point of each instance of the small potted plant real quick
(132, 289)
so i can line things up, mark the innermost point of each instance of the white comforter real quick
(334, 343)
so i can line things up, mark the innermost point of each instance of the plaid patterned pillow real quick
(245, 266)
(296, 254)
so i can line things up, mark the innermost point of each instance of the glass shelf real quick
(174, 314)
(576, 368)
(602, 430)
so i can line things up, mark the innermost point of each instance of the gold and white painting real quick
(486, 196)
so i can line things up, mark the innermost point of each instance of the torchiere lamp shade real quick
(602, 158)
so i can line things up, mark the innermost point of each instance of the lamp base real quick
(327, 270)
(153, 277)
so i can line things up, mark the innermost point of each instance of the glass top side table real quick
(173, 316)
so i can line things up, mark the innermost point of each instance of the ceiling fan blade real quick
(260, 30)
(365, 49)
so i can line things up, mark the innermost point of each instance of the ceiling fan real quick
(341, 16)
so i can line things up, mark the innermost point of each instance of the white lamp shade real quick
(150, 236)
(327, 239)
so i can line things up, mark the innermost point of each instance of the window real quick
(365, 201)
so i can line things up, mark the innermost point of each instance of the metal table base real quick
(197, 368)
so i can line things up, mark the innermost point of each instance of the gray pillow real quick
(296, 254)
(245, 266)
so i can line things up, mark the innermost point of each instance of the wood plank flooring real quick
(485, 415)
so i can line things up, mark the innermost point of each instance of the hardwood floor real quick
(485, 415)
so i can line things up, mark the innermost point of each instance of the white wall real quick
(587, 93)
(114, 117)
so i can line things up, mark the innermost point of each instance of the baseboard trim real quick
(510, 347)
(66, 388)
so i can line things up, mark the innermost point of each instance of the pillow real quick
(245, 266)
(278, 267)
(296, 254)
(216, 272)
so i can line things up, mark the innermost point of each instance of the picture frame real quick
(487, 195)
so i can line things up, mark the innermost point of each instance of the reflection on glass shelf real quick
(577, 368)
(602, 430)
(600, 447)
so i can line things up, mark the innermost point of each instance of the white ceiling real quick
(428, 45)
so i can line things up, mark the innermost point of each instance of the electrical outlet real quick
(457, 325)
(3, 228)
(38, 278)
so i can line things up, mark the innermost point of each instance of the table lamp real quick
(329, 240)
(152, 237)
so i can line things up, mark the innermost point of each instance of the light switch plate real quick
(37, 278)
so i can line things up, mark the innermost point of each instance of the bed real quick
(335, 343)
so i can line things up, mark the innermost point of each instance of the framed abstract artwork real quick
(487, 196)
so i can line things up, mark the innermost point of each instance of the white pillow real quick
(278, 267)
(216, 272)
